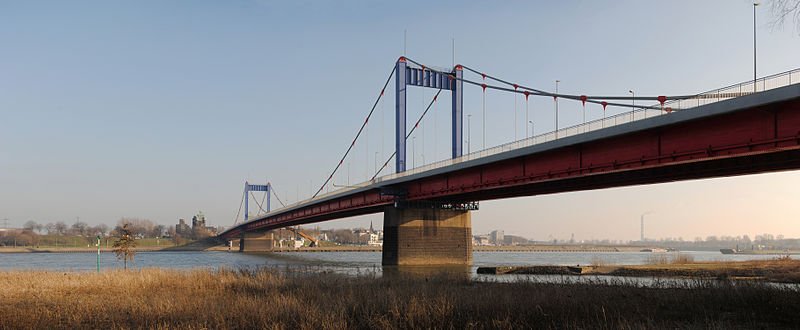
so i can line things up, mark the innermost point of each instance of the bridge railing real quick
(638, 113)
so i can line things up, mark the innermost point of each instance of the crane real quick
(314, 242)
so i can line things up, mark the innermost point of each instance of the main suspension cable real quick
(274, 193)
(520, 89)
(241, 201)
(261, 208)
(409, 132)
(383, 90)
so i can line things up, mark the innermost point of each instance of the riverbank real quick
(559, 248)
(155, 298)
(212, 244)
(185, 248)
(56, 249)
(782, 270)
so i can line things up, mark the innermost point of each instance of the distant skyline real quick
(158, 110)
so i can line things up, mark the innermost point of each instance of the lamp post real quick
(469, 135)
(633, 102)
(413, 151)
(527, 115)
(755, 4)
(556, 99)
(532, 128)
(376, 163)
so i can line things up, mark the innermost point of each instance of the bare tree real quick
(125, 244)
(80, 228)
(50, 227)
(783, 10)
(60, 228)
(158, 231)
(29, 225)
(102, 229)
(138, 227)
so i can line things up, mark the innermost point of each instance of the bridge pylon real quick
(266, 188)
(407, 74)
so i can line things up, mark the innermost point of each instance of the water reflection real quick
(453, 272)
(353, 263)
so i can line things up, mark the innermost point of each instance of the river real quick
(344, 262)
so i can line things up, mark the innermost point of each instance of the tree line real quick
(141, 228)
(35, 233)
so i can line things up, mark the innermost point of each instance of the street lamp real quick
(555, 97)
(633, 102)
(755, 4)
(413, 151)
(532, 128)
(376, 162)
(469, 135)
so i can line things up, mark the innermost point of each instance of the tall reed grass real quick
(276, 299)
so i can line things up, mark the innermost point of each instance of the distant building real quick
(199, 221)
(298, 242)
(514, 240)
(497, 237)
(182, 228)
(198, 228)
(375, 240)
(480, 240)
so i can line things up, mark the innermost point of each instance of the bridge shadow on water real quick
(451, 272)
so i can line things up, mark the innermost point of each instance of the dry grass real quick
(598, 261)
(279, 300)
(664, 259)
(785, 270)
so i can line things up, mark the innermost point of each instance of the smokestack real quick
(641, 219)
(642, 232)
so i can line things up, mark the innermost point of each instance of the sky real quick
(161, 109)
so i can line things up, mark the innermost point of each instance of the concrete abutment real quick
(257, 242)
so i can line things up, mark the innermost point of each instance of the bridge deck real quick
(587, 156)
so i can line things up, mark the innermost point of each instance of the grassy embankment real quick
(271, 299)
(82, 244)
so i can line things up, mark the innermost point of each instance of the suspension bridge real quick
(747, 128)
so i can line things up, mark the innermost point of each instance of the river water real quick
(344, 262)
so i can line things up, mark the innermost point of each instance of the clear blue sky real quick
(158, 109)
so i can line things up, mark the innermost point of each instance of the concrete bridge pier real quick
(257, 242)
(426, 236)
